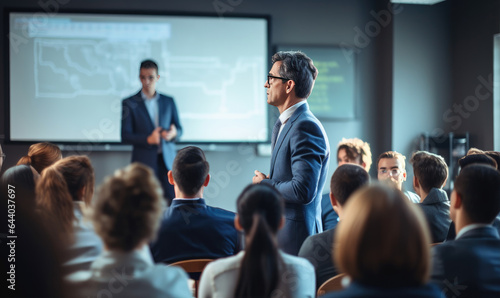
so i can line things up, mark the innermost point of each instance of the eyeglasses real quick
(392, 172)
(275, 77)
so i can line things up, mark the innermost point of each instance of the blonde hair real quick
(128, 208)
(356, 147)
(60, 185)
(41, 155)
(383, 239)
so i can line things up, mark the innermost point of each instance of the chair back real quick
(193, 266)
(333, 284)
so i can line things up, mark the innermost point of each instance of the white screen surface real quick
(70, 72)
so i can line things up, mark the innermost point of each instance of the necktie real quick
(276, 130)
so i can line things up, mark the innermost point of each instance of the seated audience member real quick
(318, 248)
(126, 216)
(40, 156)
(262, 270)
(469, 266)
(475, 156)
(23, 179)
(64, 193)
(391, 167)
(353, 151)
(198, 230)
(430, 174)
(383, 246)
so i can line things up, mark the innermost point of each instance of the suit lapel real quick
(288, 126)
(141, 108)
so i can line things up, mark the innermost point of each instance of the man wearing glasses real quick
(300, 148)
(391, 167)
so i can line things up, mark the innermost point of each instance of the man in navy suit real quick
(151, 124)
(191, 229)
(300, 148)
(469, 266)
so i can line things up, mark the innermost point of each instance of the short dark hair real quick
(495, 155)
(430, 169)
(392, 154)
(190, 169)
(477, 158)
(347, 179)
(149, 64)
(479, 187)
(299, 68)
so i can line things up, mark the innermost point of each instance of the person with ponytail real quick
(41, 155)
(261, 270)
(64, 193)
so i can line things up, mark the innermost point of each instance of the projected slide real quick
(69, 73)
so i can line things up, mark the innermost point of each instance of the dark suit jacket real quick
(358, 290)
(299, 168)
(436, 208)
(137, 126)
(193, 230)
(452, 233)
(318, 249)
(470, 265)
(329, 217)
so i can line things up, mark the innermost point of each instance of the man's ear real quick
(207, 179)
(333, 201)
(416, 184)
(289, 86)
(457, 204)
(170, 176)
(237, 223)
(404, 175)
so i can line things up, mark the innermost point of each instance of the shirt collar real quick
(157, 95)
(469, 228)
(289, 112)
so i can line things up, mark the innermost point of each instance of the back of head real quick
(354, 148)
(260, 210)
(479, 187)
(495, 155)
(23, 178)
(41, 155)
(393, 154)
(149, 64)
(476, 158)
(383, 239)
(69, 180)
(190, 168)
(430, 169)
(296, 66)
(128, 208)
(346, 180)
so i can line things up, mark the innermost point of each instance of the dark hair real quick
(41, 155)
(149, 64)
(299, 68)
(392, 154)
(260, 209)
(23, 178)
(476, 158)
(128, 208)
(60, 185)
(495, 155)
(346, 179)
(479, 187)
(190, 169)
(430, 169)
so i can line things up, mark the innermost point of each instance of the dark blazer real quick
(436, 208)
(137, 126)
(193, 230)
(299, 168)
(355, 290)
(452, 233)
(318, 249)
(470, 265)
